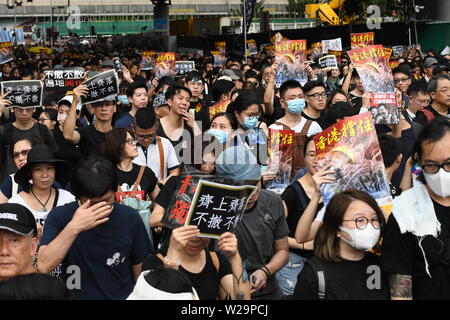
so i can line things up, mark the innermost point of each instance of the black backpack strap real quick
(300, 195)
(319, 271)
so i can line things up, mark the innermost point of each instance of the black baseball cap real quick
(17, 219)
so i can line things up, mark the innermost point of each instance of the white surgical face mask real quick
(61, 118)
(439, 182)
(364, 239)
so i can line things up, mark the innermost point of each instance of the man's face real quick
(358, 84)
(109, 198)
(181, 101)
(196, 87)
(267, 72)
(209, 67)
(16, 252)
(317, 98)
(442, 93)
(139, 99)
(402, 82)
(291, 94)
(24, 115)
(145, 137)
(6, 68)
(418, 102)
(104, 110)
(429, 70)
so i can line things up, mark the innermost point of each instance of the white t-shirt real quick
(315, 128)
(152, 161)
(40, 216)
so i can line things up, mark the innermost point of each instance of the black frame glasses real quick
(362, 222)
(433, 168)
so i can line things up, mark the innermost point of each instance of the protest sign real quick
(333, 44)
(252, 47)
(360, 40)
(376, 76)
(351, 147)
(19, 35)
(387, 53)
(219, 58)
(337, 54)
(190, 200)
(291, 57)
(277, 37)
(281, 148)
(23, 93)
(102, 86)
(63, 80)
(6, 48)
(316, 50)
(383, 107)
(183, 67)
(218, 108)
(328, 63)
(397, 51)
(148, 60)
(221, 46)
(165, 65)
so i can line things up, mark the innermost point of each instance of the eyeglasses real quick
(361, 222)
(142, 137)
(311, 155)
(42, 120)
(22, 153)
(435, 167)
(26, 110)
(322, 95)
(130, 141)
(401, 80)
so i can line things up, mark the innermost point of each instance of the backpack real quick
(298, 158)
(428, 114)
(300, 196)
(319, 271)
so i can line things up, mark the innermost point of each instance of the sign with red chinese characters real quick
(281, 148)
(359, 40)
(148, 60)
(218, 108)
(351, 147)
(291, 57)
(63, 80)
(165, 65)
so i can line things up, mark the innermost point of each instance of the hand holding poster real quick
(361, 40)
(281, 149)
(291, 57)
(102, 86)
(183, 67)
(165, 65)
(333, 44)
(23, 93)
(63, 80)
(213, 204)
(316, 50)
(148, 60)
(376, 76)
(351, 147)
(328, 63)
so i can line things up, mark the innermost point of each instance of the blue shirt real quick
(104, 255)
(125, 122)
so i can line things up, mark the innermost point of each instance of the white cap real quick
(70, 100)
(144, 291)
(225, 78)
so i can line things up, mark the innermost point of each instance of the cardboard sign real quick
(24, 93)
(63, 80)
(217, 208)
(102, 86)
(328, 63)
(333, 44)
(183, 67)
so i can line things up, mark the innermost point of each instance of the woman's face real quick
(335, 73)
(45, 119)
(63, 111)
(359, 211)
(130, 150)
(251, 111)
(43, 175)
(311, 158)
(195, 245)
(20, 153)
(221, 123)
(208, 163)
(339, 97)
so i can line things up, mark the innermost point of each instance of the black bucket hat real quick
(41, 153)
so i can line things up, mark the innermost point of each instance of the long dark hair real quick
(113, 146)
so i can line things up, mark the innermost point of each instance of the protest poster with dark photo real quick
(397, 51)
(148, 60)
(328, 63)
(165, 65)
(219, 58)
(383, 107)
(63, 80)
(101, 86)
(6, 48)
(23, 93)
(189, 202)
(252, 46)
(351, 147)
(291, 56)
(183, 67)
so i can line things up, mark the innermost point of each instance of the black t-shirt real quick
(201, 113)
(402, 255)
(355, 100)
(322, 120)
(345, 280)
(420, 116)
(295, 212)
(207, 282)
(184, 143)
(163, 197)
(66, 150)
(126, 179)
(90, 141)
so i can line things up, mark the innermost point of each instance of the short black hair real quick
(312, 84)
(93, 177)
(401, 70)
(145, 118)
(390, 147)
(175, 89)
(193, 75)
(431, 132)
(355, 74)
(133, 86)
(221, 87)
(168, 280)
(289, 84)
(417, 87)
